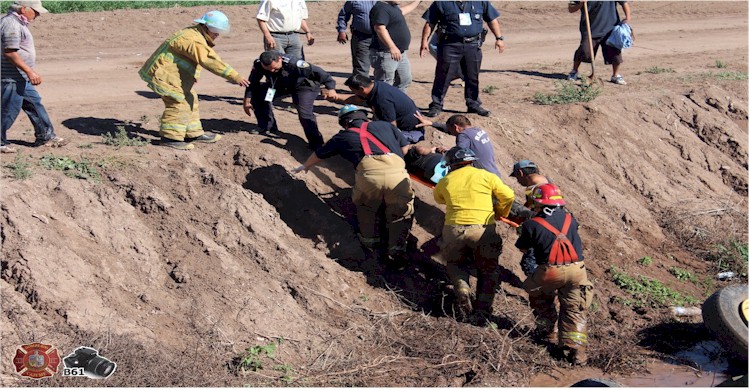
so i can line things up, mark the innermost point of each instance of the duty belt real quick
(454, 39)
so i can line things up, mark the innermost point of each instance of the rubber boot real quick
(180, 145)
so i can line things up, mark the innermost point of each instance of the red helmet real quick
(548, 195)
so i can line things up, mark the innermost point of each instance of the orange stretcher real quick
(432, 186)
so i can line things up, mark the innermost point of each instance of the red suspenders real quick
(365, 136)
(562, 251)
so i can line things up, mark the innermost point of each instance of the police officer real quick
(459, 25)
(287, 75)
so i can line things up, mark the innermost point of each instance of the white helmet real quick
(216, 22)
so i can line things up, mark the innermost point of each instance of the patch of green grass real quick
(736, 76)
(658, 70)
(567, 93)
(83, 169)
(731, 256)
(19, 168)
(287, 372)
(121, 138)
(721, 64)
(253, 357)
(86, 146)
(646, 261)
(64, 6)
(648, 292)
(490, 89)
(683, 274)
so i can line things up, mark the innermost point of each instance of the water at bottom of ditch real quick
(701, 366)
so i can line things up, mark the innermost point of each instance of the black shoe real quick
(205, 137)
(479, 110)
(433, 112)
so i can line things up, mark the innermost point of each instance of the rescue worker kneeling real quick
(376, 150)
(469, 237)
(553, 235)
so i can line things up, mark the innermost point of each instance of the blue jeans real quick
(18, 95)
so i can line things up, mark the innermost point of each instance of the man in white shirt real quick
(280, 21)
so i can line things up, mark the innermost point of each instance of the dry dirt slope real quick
(177, 255)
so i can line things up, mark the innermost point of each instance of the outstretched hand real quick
(422, 120)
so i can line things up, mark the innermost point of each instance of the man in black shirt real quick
(425, 163)
(553, 235)
(287, 75)
(387, 103)
(388, 52)
(376, 150)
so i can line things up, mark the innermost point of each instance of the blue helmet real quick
(348, 109)
(216, 22)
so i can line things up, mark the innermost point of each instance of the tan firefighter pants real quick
(473, 246)
(571, 285)
(382, 181)
(180, 118)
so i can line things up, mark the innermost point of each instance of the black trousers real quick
(453, 60)
(303, 100)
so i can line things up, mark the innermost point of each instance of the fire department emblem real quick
(36, 360)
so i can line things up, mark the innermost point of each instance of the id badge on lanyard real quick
(270, 94)
(464, 19)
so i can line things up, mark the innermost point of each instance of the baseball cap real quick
(520, 165)
(36, 5)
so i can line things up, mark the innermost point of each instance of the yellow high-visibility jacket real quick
(177, 63)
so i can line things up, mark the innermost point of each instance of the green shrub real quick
(490, 89)
(253, 357)
(648, 292)
(721, 64)
(19, 168)
(730, 256)
(657, 70)
(738, 76)
(121, 138)
(567, 93)
(646, 261)
(683, 274)
(78, 169)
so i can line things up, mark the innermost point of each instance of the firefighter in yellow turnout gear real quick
(175, 67)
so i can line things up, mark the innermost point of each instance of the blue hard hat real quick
(216, 21)
(348, 109)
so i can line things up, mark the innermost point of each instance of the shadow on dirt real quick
(533, 73)
(672, 337)
(233, 100)
(101, 126)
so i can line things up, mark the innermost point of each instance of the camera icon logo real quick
(85, 361)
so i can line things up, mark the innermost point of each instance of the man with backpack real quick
(553, 235)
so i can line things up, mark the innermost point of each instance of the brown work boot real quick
(578, 356)
(463, 301)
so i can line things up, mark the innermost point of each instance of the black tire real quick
(721, 315)
(596, 382)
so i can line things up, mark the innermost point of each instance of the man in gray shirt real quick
(18, 77)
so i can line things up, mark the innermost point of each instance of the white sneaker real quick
(617, 79)
(573, 76)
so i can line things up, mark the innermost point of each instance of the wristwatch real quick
(500, 38)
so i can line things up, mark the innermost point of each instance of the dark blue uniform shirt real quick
(347, 143)
(446, 14)
(295, 74)
(535, 236)
(389, 104)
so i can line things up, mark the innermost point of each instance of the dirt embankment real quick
(175, 263)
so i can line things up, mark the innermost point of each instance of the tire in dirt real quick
(596, 382)
(722, 316)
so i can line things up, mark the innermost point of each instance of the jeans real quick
(21, 95)
(385, 68)
(361, 53)
(287, 44)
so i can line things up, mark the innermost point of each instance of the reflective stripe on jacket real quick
(179, 60)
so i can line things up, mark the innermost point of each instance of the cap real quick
(36, 5)
(520, 165)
